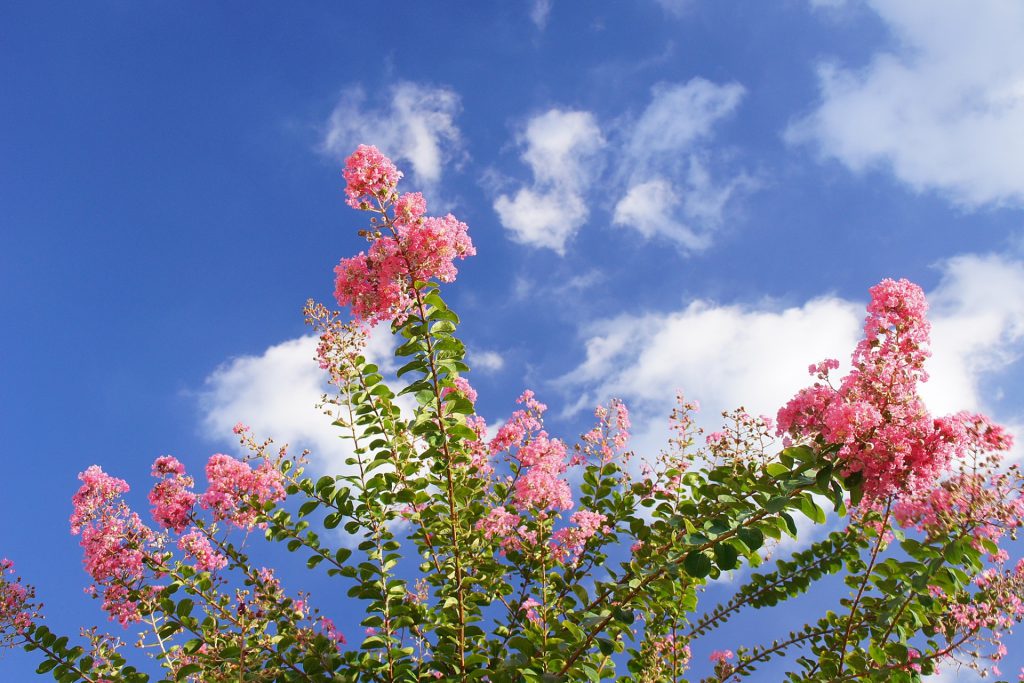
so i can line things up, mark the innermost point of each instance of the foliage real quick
(473, 561)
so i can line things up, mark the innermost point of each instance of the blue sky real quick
(663, 194)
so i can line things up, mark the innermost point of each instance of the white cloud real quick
(671, 192)
(560, 148)
(678, 116)
(942, 110)
(664, 178)
(486, 361)
(416, 125)
(757, 355)
(542, 219)
(721, 355)
(539, 12)
(978, 329)
(686, 215)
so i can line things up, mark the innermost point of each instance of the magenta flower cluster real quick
(876, 414)
(233, 482)
(119, 548)
(408, 247)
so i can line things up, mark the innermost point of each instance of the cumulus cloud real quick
(978, 329)
(942, 109)
(757, 355)
(559, 147)
(416, 125)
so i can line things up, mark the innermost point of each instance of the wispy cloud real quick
(671, 192)
(676, 8)
(679, 115)
(540, 10)
(662, 175)
(486, 361)
(413, 122)
(942, 110)
(559, 147)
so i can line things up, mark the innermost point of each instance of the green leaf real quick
(752, 538)
(46, 666)
(697, 564)
(184, 608)
(187, 670)
(726, 556)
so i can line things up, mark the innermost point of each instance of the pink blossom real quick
(480, 455)
(369, 175)
(378, 285)
(236, 490)
(568, 543)
(530, 607)
(196, 547)
(463, 388)
(172, 498)
(540, 487)
(331, 631)
(16, 612)
(721, 656)
(409, 209)
(98, 490)
(499, 523)
(876, 415)
(432, 245)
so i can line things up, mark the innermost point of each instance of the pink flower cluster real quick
(996, 607)
(530, 606)
(369, 175)
(479, 452)
(114, 542)
(980, 499)
(196, 546)
(538, 488)
(609, 437)
(235, 486)
(876, 414)
(541, 486)
(94, 497)
(172, 497)
(331, 631)
(377, 285)
(15, 611)
(462, 388)
(541, 460)
(669, 647)
(499, 523)
(568, 543)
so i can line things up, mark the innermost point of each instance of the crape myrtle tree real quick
(478, 561)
